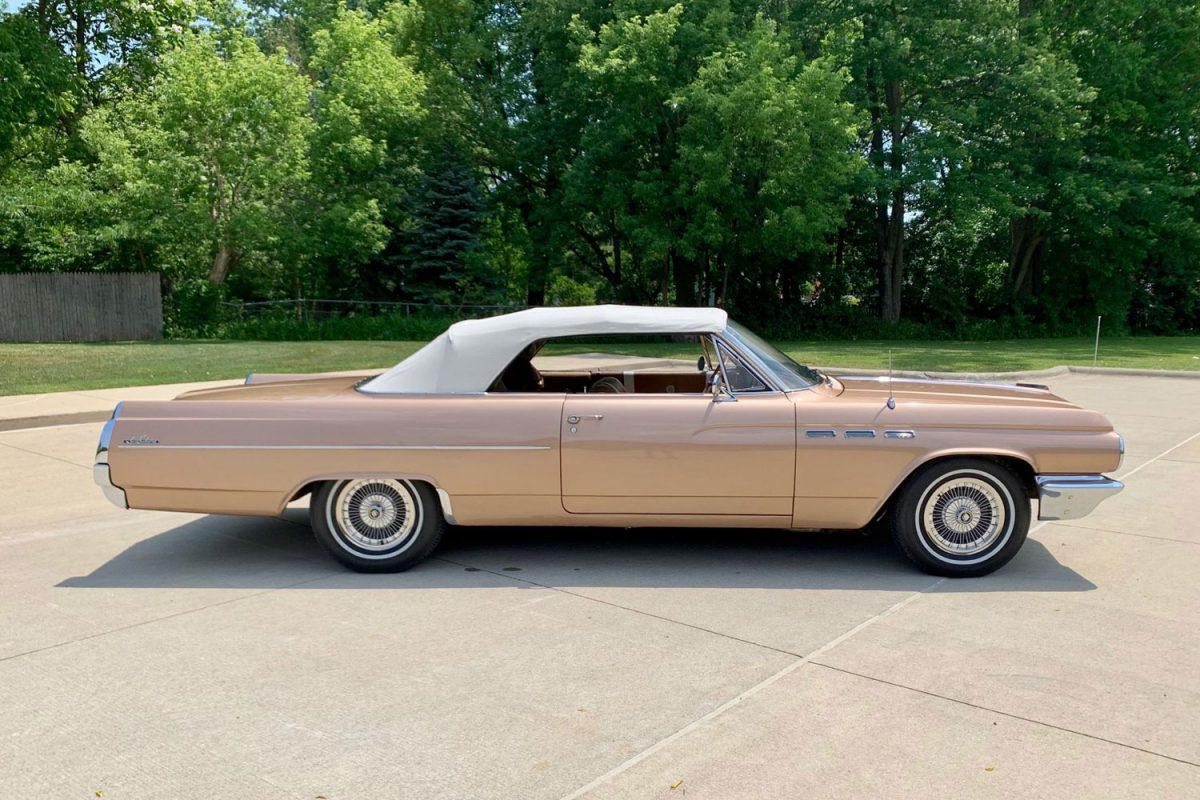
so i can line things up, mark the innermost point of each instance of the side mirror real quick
(716, 386)
(701, 364)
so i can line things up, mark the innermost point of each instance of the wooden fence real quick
(80, 306)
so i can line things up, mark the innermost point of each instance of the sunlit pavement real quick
(151, 655)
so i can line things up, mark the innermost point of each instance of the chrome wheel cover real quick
(374, 517)
(966, 516)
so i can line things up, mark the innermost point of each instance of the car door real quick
(678, 454)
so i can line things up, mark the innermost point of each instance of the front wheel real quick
(961, 518)
(377, 524)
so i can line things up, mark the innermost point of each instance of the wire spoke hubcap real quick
(376, 514)
(963, 516)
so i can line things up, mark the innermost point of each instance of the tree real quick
(370, 124)
(905, 60)
(36, 89)
(765, 164)
(440, 261)
(214, 156)
(1134, 232)
(113, 44)
(1024, 163)
(1012, 140)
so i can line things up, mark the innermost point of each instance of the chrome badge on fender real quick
(140, 441)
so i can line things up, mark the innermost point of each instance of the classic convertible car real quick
(572, 416)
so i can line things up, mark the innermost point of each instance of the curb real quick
(52, 420)
(1145, 373)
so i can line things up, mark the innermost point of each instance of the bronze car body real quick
(832, 454)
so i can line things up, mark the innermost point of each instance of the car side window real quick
(740, 377)
(667, 363)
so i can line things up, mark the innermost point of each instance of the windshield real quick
(787, 372)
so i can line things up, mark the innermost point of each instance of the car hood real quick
(951, 391)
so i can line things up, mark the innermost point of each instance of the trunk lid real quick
(284, 387)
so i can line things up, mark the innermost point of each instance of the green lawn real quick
(27, 368)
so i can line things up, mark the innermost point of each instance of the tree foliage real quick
(945, 163)
(211, 161)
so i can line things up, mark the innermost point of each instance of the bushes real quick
(285, 326)
(565, 291)
(202, 317)
(194, 309)
(843, 321)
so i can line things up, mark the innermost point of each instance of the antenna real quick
(891, 401)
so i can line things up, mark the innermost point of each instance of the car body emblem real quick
(140, 441)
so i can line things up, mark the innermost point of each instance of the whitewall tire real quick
(961, 517)
(377, 524)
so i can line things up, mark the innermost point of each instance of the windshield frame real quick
(790, 375)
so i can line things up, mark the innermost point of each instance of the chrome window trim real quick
(748, 354)
(751, 363)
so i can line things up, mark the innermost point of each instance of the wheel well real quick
(1018, 466)
(1023, 470)
(312, 486)
(306, 489)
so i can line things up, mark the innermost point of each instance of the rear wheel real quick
(377, 524)
(962, 517)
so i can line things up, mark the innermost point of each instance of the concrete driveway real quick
(151, 655)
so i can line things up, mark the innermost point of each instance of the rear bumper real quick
(115, 494)
(100, 474)
(1073, 496)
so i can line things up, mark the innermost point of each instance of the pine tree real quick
(442, 257)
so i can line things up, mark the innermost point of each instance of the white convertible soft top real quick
(470, 354)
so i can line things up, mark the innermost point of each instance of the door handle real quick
(575, 418)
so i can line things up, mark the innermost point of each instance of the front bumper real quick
(1073, 496)
(115, 494)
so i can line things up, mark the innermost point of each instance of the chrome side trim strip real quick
(899, 434)
(335, 447)
(821, 434)
(1073, 496)
(860, 434)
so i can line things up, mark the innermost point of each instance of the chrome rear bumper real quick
(115, 494)
(1073, 496)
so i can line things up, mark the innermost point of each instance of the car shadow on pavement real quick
(258, 553)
